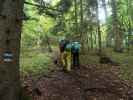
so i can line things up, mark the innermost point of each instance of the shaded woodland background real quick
(104, 28)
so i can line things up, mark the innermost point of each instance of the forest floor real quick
(89, 82)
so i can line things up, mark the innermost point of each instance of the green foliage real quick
(57, 19)
(34, 62)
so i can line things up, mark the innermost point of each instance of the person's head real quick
(62, 39)
(76, 43)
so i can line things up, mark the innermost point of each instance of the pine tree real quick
(116, 29)
(11, 12)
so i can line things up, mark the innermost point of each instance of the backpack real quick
(68, 47)
(63, 44)
(75, 47)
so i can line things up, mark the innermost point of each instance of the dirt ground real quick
(89, 82)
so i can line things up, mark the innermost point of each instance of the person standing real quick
(65, 54)
(75, 54)
(67, 57)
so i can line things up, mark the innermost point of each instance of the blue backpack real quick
(68, 47)
(75, 47)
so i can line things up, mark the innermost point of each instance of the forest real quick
(36, 65)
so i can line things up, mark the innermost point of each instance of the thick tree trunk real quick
(108, 38)
(10, 33)
(117, 33)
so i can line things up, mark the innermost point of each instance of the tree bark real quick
(108, 38)
(76, 16)
(129, 5)
(91, 39)
(98, 28)
(81, 26)
(105, 8)
(48, 43)
(11, 13)
(117, 33)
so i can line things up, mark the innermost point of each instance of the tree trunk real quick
(48, 43)
(88, 42)
(129, 5)
(108, 38)
(76, 16)
(11, 12)
(98, 28)
(81, 26)
(95, 40)
(105, 8)
(117, 33)
(91, 39)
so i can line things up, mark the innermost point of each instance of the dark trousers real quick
(75, 59)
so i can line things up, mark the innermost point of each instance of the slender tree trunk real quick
(48, 43)
(109, 39)
(91, 39)
(81, 17)
(99, 38)
(98, 28)
(76, 16)
(117, 33)
(105, 8)
(11, 12)
(129, 5)
(88, 42)
(81, 25)
(95, 40)
(129, 35)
